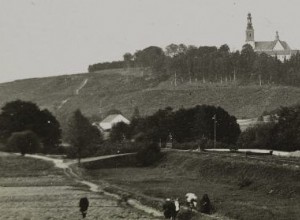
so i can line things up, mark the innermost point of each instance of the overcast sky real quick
(51, 37)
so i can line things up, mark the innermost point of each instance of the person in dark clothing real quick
(83, 204)
(169, 209)
(205, 206)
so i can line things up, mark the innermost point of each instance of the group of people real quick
(172, 207)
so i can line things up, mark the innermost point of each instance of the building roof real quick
(110, 118)
(280, 52)
(269, 45)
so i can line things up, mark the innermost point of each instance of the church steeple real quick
(249, 30)
(277, 36)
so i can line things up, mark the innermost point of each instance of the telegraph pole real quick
(215, 130)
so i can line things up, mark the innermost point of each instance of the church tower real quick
(250, 31)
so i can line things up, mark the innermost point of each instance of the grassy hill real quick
(96, 93)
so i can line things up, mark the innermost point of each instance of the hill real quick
(100, 92)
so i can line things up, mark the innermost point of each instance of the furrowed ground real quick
(240, 187)
(32, 189)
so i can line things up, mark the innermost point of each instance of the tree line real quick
(26, 128)
(183, 125)
(211, 64)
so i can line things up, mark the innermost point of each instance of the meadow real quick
(32, 189)
(239, 187)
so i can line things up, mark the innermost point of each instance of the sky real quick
(40, 38)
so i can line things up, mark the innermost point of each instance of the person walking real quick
(169, 209)
(205, 205)
(83, 204)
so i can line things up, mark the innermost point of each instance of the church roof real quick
(269, 45)
(280, 52)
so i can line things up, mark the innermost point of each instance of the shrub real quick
(186, 146)
(148, 154)
(260, 136)
(25, 142)
(109, 147)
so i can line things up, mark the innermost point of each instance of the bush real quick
(186, 146)
(108, 147)
(148, 154)
(260, 136)
(26, 142)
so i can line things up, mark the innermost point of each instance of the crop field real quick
(239, 187)
(32, 189)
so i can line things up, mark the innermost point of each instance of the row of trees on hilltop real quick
(211, 64)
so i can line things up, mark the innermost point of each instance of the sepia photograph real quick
(149, 109)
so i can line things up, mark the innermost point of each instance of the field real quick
(239, 187)
(32, 189)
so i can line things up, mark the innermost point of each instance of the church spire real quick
(249, 23)
(277, 36)
(249, 31)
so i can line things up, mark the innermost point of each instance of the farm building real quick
(107, 123)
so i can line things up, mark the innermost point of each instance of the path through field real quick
(93, 187)
(84, 82)
(53, 196)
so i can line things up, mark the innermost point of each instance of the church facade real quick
(277, 47)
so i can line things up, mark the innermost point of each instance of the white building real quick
(277, 47)
(107, 123)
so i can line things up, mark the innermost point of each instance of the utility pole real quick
(215, 130)
(260, 83)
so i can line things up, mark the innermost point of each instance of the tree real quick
(83, 137)
(20, 116)
(187, 125)
(282, 134)
(120, 132)
(136, 113)
(148, 154)
(287, 129)
(25, 142)
(128, 57)
(152, 57)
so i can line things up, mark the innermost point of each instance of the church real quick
(277, 47)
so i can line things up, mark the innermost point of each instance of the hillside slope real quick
(96, 93)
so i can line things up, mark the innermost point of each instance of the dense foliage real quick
(20, 116)
(106, 65)
(211, 64)
(26, 142)
(84, 138)
(184, 125)
(281, 134)
(148, 154)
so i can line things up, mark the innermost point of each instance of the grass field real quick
(239, 187)
(32, 189)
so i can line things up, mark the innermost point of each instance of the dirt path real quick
(84, 82)
(66, 166)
